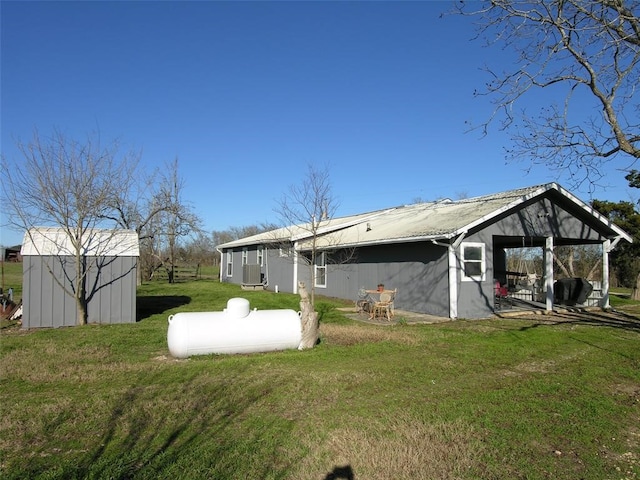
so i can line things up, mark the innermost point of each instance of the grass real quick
(12, 277)
(492, 399)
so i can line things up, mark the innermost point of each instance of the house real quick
(49, 263)
(444, 257)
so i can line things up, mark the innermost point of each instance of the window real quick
(245, 255)
(285, 251)
(473, 262)
(230, 263)
(320, 269)
(260, 255)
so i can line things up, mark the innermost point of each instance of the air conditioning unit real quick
(251, 274)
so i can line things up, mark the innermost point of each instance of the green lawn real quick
(490, 399)
(12, 277)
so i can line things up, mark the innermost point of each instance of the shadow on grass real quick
(152, 305)
(345, 473)
(613, 319)
(202, 432)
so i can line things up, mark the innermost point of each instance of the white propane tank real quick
(236, 329)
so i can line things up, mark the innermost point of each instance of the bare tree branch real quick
(307, 207)
(588, 49)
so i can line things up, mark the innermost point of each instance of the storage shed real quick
(49, 276)
(444, 257)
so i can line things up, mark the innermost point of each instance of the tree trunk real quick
(81, 290)
(635, 295)
(308, 318)
(81, 312)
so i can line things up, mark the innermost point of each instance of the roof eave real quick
(389, 241)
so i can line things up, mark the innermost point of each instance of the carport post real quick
(548, 272)
(606, 248)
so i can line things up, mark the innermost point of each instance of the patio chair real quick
(384, 306)
(364, 302)
(501, 294)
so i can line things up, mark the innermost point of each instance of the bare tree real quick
(68, 184)
(234, 233)
(140, 199)
(201, 250)
(305, 209)
(588, 52)
(579, 261)
(175, 222)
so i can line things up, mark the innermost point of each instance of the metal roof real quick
(95, 242)
(439, 220)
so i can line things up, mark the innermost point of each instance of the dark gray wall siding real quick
(543, 218)
(418, 270)
(476, 299)
(111, 285)
(236, 273)
(279, 271)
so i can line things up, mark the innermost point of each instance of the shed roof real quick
(440, 220)
(95, 242)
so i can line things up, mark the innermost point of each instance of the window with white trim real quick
(230, 263)
(320, 268)
(285, 251)
(260, 255)
(245, 256)
(472, 257)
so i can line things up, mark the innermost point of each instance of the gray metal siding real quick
(418, 270)
(111, 286)
(279, 271)
(543, 218)
(236, 272)
(114, 299)
(44, 302)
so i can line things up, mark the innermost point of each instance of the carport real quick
(568, 222)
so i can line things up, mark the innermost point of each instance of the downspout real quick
(265, 259)
(295, 267)
(221, 261)
(453, 273)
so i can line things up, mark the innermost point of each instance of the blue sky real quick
(247, 94)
